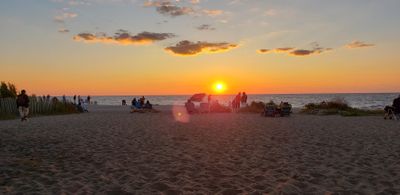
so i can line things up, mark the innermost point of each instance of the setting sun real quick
(219, 87)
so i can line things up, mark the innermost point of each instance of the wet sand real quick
(110, 151)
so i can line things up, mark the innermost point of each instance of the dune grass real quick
(338, 107)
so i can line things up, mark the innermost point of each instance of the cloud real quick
(167, 8)
(295, 51)
(283, 49)
(359, 44)
(123, 37)
(64, 15)
(173, 8)
(306, 52)
(214, 12)
(188, 48)
(63, 30)
(205, 27)
(263, 50)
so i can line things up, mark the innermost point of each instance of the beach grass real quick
(9, 110)
(338, 107)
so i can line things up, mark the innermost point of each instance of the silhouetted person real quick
(124, 102)
(148, 105)
(236, 102)
(74, 99)
(88, 99)
(134, 101)
(141, 100)
(396, 105)
(244, 98)
(23, 105)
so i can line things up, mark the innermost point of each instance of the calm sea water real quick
(369, 101)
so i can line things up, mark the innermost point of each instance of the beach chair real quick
(270, 110)
(285, 109)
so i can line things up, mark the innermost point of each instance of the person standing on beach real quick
(74, 99)
(396, 105)
(141, 100)
(244, 99)
(237, 101)
(23, 105)
(88, 99)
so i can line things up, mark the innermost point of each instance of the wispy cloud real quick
(168, 8)
(175, 8)
(295, 51)
(188, 48)
(123, 37)
(358, 44)
(205, 27)
(64, 15)
(212, 12)
(263, 51)
(63, 30)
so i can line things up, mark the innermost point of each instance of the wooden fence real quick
(8, 106)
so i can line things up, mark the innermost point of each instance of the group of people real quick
(240, 99)
(140, 103)
(81, 104)
(213, 105)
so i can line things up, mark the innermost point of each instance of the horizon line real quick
(323, 93)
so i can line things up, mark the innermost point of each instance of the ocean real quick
(364, 100)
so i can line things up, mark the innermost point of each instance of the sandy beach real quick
(110, 151)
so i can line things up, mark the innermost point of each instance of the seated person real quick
(134, 102)
(190, 107)
(396, 105)
(138, 105)
(148, 105)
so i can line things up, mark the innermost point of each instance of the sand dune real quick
(110, 151)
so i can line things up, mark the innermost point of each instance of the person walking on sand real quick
(23, 105)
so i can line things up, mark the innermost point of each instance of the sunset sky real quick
(154, 47)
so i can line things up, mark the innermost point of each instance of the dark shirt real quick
(22, 100)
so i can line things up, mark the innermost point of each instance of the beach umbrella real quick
(198, 97)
